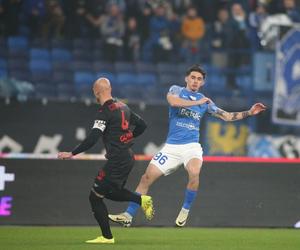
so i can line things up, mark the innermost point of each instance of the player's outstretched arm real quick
(176, 101)
(86, 144)
(234, 116)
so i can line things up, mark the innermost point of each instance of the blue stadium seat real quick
(122, 67)
(61, 55)
(166, 68)
(216, 82)
(23, 75)
(82, 54)
(41, 78)
(142, 67)
(126, 86)
(133, 93)
(215, 79)
(245, 69)
(97, 54)
(84, 92)
(81, 66)
(84, 78)
(210, 69)
(62, 76)
(3, 63)
(60, 44)
(40, 72)
(17, 43)
(167, 80)
(124, 79)
(82, 43)
(39, 43)
(181, 68)
(39, 54)
(146, 79)
(110, 76)
(24, 30)
(40, 66)
(3, 73)
(61, 66)
(99, 66)
(3, 43)
(18, 54)
(17, 64)
(245, 82)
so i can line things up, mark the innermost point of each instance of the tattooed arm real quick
(231, 116)
(234, 116)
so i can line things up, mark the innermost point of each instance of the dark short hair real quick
(197, 68)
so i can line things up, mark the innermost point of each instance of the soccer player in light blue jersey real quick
(187, 107)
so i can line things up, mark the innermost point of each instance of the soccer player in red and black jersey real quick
(118, 126)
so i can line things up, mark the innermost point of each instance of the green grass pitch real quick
(141, 238)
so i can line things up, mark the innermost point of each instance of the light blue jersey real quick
(184, 123)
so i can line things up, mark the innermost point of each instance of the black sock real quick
(101, 215)
(124, 195)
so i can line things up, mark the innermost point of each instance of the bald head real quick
(102, 84)
(102, 89)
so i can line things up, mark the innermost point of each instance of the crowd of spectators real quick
(149, 30)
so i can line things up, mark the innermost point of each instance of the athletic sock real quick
(189, 197)
(101, 215)
(132, 208)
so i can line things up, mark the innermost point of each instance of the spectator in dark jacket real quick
(220, 38)
(239, 43)
(256, 18)
(112, 31)
(10, 13)
(220, 33)
(132, 41)
(54, 20)
(34, 13)
(158, 47)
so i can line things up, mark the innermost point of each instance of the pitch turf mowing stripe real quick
(65, 238)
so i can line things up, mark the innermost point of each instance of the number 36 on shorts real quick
(160, 158)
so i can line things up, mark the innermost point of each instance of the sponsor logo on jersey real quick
(127, 137)
(190, 113)
(189, 126)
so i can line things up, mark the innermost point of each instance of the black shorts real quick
(114, 174)
(104, 187)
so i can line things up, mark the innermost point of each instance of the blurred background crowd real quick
(38, 38)
(146, 30)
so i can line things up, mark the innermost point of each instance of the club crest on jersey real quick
(190, 113)
(193, 98)
(116, 105)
